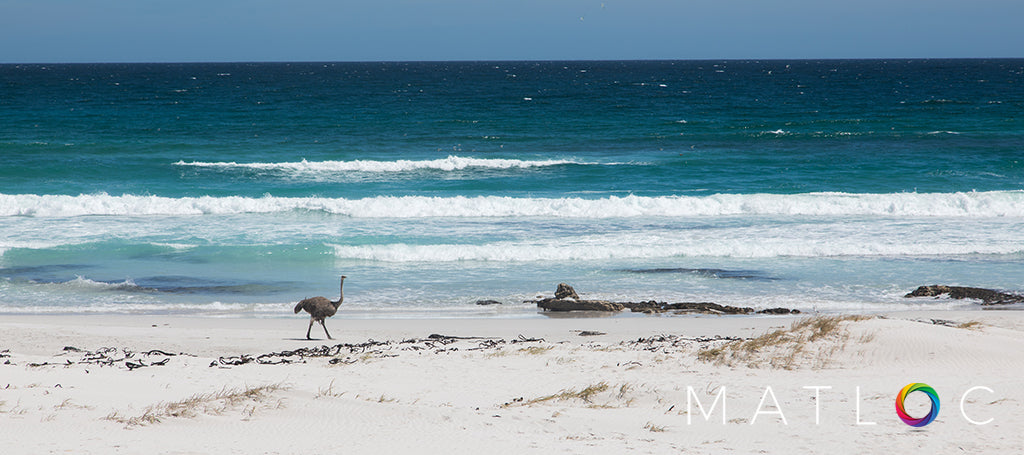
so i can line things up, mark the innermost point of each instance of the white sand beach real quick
(184, 385)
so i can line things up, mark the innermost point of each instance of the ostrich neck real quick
(341, 292)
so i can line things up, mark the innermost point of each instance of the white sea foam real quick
(214, 309)
(827, 241)
(175, 246)
(961, 204)
(451, 163)
(9, 242)
(81, 283)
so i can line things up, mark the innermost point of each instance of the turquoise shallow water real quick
(238, 188)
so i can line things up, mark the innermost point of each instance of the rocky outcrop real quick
(686, 307)
(565, 291)
(987, 296)
(566, 299)
(779, 311)
(701, 307)
(578, 305)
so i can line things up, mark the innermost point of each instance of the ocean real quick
(237, 189)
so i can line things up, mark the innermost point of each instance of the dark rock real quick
(591, 333)
(944, 322)
(686, 307)
(987, 296)
(565, 291)
(579, 305)
(567, 300)
(708, 307)
(488, 302)
(646, 307)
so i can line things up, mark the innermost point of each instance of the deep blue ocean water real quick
(238, 188)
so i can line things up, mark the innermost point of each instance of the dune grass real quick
(970, 325)
(623, 396)
(586, 394)
(215, 403)
(786, 348)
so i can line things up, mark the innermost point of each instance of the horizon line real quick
(724, 59)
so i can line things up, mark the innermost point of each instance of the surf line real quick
(769, 405)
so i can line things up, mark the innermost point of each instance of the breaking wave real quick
(965, 204)
(451, 163)
(661, 247)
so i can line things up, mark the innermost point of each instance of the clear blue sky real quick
(48, 31)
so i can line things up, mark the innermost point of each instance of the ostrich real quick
(320, 308)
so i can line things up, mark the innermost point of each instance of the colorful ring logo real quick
(902, 396)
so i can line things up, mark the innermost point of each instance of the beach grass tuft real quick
(216, 403)
(655, 428)
(786, 348)
(536, 350)
(970, 325)
(585, 394)
(329, 391)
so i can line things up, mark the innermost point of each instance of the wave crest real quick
(85, 284)
(451, 163)
(970, 204)
(662, 247)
